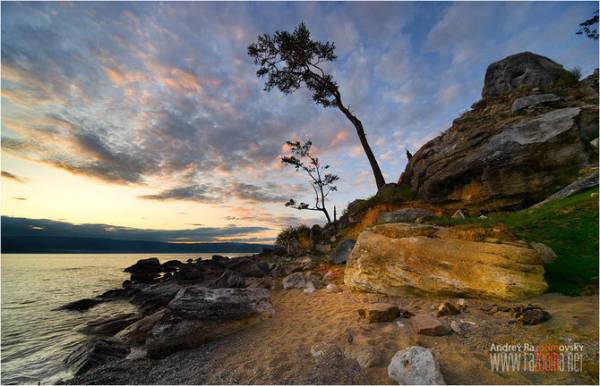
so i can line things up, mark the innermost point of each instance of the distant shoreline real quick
(82, 245)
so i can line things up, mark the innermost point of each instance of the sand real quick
(277, 351)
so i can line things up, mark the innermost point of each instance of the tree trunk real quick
(326, 215)
(379, 180)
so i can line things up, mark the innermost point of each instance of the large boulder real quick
(523, 69)
(151, 298)
(199, 314)
(465, 261)
(490, 166)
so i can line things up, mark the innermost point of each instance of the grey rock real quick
(403, 215)
(594, 143)
(228, 279)
(515, 71)
(320, 349)
(546, 253)
(366, 356)
(94, 353)
(199, 314)
(462, 327)
(341, 252)
(111, 325)
(533, 100)
(135, 333)
(415, 365)
(151, 298)
(309, 288)
(580, 184)
(295, 280)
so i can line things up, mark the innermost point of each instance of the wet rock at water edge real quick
(94, 353)
(79, 305)
(199, 314)
(111, 325)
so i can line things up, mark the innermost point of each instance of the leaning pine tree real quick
(291, 60)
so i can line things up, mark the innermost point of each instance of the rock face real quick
(532, 100)
(523, 69)
(492, 159)
(415, 366)
(512, 167)
(199, 314)
(404, 215)
(462, 260)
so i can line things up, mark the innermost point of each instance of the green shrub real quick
(568, 78)
(291, 233)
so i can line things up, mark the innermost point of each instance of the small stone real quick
(545, 252)
(447, 308)
(461, 304)
(483, 217)
(425, 324)
(319, 349)
(310, 288)
(366, 356)
(461, 327)
(332, 288)
(295, 280)
(534, 316)
(379, 312)
(458, 215)
(415, 366)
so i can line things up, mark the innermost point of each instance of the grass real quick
(568, 226)
(387, 195)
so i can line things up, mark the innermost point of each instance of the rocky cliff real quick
(534, 132)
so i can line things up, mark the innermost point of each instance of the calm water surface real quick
(35, 340)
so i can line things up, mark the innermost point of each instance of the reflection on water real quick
(35, 340)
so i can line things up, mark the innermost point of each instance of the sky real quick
(150, 115)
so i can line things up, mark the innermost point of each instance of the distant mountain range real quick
(22, 235)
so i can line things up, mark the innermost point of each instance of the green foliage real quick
(291, 233)
(587, 27)
(568, 226)
(568, 78)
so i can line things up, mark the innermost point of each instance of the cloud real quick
(13, 177)
(198, 193)
(18, 226)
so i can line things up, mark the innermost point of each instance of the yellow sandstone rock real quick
(465, 261)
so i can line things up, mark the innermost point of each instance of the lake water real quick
(35, 339)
